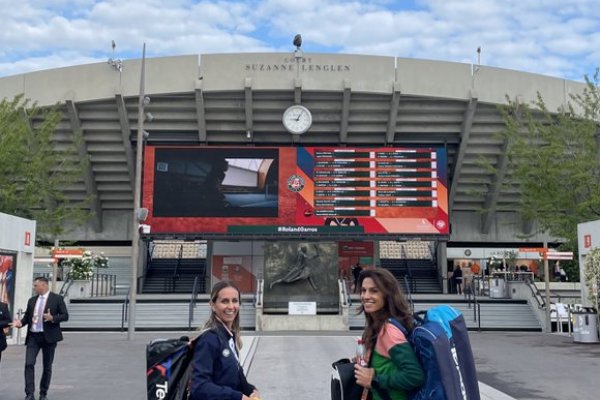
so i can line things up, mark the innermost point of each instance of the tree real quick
(554, 162)
(35, 169)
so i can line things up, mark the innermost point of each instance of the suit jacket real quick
(56, 305)
(5, 319)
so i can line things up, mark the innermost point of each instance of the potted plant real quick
(81, 270)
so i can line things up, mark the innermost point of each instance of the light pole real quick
(137, 194)
(548, 327)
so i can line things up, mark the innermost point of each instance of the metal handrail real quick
(125, 309)
(475, 302)
(103, 285)
(348, 295)
(344, 294)
(409, 295)
(179, 257)
(192, 304)
(175, 275)
(536, 293)
(259, 293)
(65, 287)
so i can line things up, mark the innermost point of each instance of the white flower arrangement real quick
(83, 268)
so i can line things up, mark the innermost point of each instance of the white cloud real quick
(559, 39)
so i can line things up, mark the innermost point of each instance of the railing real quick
(560, 318)
(409, 295)
(471, 297)
(535, 292)
(348, 293)
(125, 310)
(411, 279)
(192, 304)
(175, 276)
(343, 294)
(258, 297)
(65, 287)
(104, 285)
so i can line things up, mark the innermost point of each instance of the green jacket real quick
(397, 368)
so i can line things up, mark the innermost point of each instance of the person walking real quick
(5, 321)
(394, 368)
(45, 311)
(216, 370)
(356, 270)
(457, 277)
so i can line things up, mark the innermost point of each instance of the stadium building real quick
(257, 165)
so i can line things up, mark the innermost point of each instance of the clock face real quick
(297, 119)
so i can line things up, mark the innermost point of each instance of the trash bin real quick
(497, 288)
(585, 327)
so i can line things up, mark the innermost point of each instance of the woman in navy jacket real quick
(216, 370)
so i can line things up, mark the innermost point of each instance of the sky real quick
(559, 38)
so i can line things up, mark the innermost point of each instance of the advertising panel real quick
(7, 279)
(305, 190)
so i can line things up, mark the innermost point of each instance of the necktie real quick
(40, 315)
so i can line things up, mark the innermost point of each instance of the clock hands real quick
(299, 115)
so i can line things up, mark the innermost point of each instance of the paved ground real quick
(97, 366)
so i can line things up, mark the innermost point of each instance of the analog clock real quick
(297, 119)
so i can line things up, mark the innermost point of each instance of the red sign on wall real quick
(27, 238)
(587, 241)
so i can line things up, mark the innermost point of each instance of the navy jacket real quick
(216, 371)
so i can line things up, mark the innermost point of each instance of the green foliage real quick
(592, 274)
(553, 161)
(35, 169)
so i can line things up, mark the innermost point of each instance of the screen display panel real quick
(304, 190)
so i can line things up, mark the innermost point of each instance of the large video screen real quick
(205, 182)
(304, 190)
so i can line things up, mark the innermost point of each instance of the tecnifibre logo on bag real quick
(162, 387)
(162, 390)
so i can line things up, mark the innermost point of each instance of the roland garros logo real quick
(295, 183)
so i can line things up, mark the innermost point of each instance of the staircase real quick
(496, 315)
(153, 312)
(423, 271)
(166, 275)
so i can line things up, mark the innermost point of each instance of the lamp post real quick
(137, 194)
(548, 327)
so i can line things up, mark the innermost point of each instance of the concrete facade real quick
(356, 100)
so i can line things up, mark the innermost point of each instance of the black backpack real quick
(168, 368)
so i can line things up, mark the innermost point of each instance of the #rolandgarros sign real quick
(288, 190)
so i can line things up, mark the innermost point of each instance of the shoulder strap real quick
(398, 325)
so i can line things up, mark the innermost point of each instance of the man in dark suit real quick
(5, 320)
(44, 313)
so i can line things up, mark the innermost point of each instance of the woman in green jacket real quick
(394, 367)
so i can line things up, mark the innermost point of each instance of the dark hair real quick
(213, 322)
(395, 304)
(41, 279)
